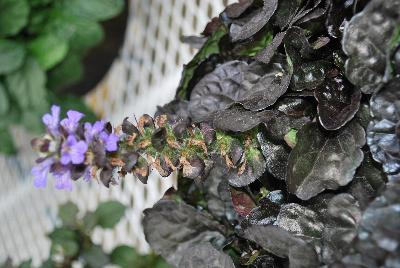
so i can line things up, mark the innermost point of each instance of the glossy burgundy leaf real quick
(242, 202)
(338, 102)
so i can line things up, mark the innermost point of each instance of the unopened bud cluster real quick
(72, 149)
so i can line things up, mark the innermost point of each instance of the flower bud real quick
(130, 159)
(194, 168)
(236, 153)
(141, 171)
(107, 177)
(129, 128)
(159, 139)
(145, 121)
(208, 133)
(180, 128)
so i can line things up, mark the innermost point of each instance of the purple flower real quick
(92, 131)
(63, 179)
(52, 120)
(40, 172)
(71, 123)
(87, 174)
(73, 151)
(110, 141)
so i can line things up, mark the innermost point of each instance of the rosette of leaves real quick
(280, 69)
(41, 46)
(268, 135)
(71, 241)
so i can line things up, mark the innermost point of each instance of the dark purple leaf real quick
(204, 255)
(338, 102)
(276, 157)
(365, 41)
(235, 10)
(238, 119)
(283, 244)
(342, 218)
(267, 53)
(309, 75)
(219, 201)
(320, 161)
(383, 131)
(300, 221)
(254, 85)
(170, 228)
(255, 24)
(377, 243)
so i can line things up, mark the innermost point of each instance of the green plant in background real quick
(71, 241)
(42, 43)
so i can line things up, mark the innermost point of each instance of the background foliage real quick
(42, 43)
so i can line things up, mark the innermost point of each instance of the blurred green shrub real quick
(71, 241)
(42, 43)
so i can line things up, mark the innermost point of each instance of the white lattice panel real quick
(145, 75)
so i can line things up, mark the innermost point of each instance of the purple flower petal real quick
(63, 180)
(92, 131)
(73, 151)
(110, 141)
(71, 123)
(52, 120)
(78, 152)
(87, 175)
(40, 172)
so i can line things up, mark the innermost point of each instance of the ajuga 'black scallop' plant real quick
(42, 45)
(284, 133)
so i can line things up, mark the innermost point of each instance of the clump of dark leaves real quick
(285, 134)
(319, 82)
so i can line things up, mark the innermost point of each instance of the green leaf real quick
(13, 16)
(4, 100)
(12, 55)
(80, 33)
(36, 3)
(109, 213)
(66, 239)
(31, 119)
(26, 264)
(88, 34)
(48, 264)
(124, 256)
(291, 137)
(6, 142)
(48, 50)
(95, 257)
(210, 47)
(26, 86)
(67, 213)
(65, 74)
(93, 9)
(257, 45)
(89, 221)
